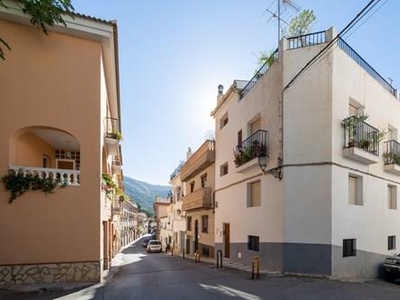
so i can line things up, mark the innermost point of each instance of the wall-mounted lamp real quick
(263, 162)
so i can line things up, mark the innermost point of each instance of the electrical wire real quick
(349, 26)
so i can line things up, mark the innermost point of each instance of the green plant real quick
(16, 183)
(115, 135)
(391, 158)
(108, 185)
(351, 125)
(246, 153)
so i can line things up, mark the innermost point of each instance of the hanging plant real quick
(108, 185)
(16, 183)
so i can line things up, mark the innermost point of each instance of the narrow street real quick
(160, 276)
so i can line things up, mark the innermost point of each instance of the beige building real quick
(176, 213)
(312, 187)
(61, 124)
(198, 177)
(163, 229)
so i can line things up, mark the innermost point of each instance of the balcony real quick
(112, 135)
(201, 159)
(68, 177)
(391, 157)
(361, 140)
(199, 199)
(117, 164)
(252, 147)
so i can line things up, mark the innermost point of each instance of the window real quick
(255, 125)
(192, 187)
(204, 224)
(349, 247)
(203, 180)
(253, 242)
(391, 242)
(223, 169)
(189, 223)
(353, 111)
(355, 190)
(392, 197)
(254, 194)
(223, 121)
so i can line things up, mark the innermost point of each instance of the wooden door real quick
(226, 240)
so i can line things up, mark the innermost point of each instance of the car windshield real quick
(155, 243)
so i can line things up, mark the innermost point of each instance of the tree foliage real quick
(301, 24)
(43, 13)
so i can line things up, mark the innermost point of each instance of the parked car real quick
(392, 267)
(146, 242)
(154, 246)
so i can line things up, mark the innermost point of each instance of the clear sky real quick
(174, 54)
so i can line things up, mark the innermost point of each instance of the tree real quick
(301, 24)
(43, 13)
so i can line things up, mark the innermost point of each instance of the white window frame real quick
(357, 199)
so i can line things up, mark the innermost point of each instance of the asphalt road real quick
(161, 276)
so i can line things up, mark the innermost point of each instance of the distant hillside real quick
(143, 193)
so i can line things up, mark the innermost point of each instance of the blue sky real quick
(174, 54)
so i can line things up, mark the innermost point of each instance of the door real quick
(226, 240)
(196, 235)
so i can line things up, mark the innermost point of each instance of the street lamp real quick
(263, 161)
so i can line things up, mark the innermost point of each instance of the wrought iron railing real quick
(64, 176)
(252, 147)
(363, 64)
(264, 68)
(391, 154)
(111, 128)
(358, 133)
(307, 40)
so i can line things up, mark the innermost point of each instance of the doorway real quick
(196, 235)
(226, 232)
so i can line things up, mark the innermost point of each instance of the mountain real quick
(143, 193)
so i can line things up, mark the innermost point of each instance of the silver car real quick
(154, 246)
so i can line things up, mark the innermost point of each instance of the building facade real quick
(312, 185)
(176, 213)
(60, 129)
(197, 175)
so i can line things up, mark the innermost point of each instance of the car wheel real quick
(389, 277)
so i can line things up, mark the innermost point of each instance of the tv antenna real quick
(282, 12)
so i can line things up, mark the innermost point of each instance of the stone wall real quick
(50, 273)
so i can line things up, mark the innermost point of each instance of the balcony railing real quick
(111, 128)
(358, 133)
(264, 68)
(307, 40)
(68, 177)
(392, 153)
(363, 64)
(200, 198)
(252, 147)
(201, 159)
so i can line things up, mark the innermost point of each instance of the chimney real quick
(220, 93)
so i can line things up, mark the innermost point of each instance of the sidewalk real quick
(226, 263)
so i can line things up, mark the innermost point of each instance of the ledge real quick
(247, 166)
(360, 155)
(392, 168)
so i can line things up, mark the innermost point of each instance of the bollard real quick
(219, 259)
(255, 267)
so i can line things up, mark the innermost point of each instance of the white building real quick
(326, 202)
